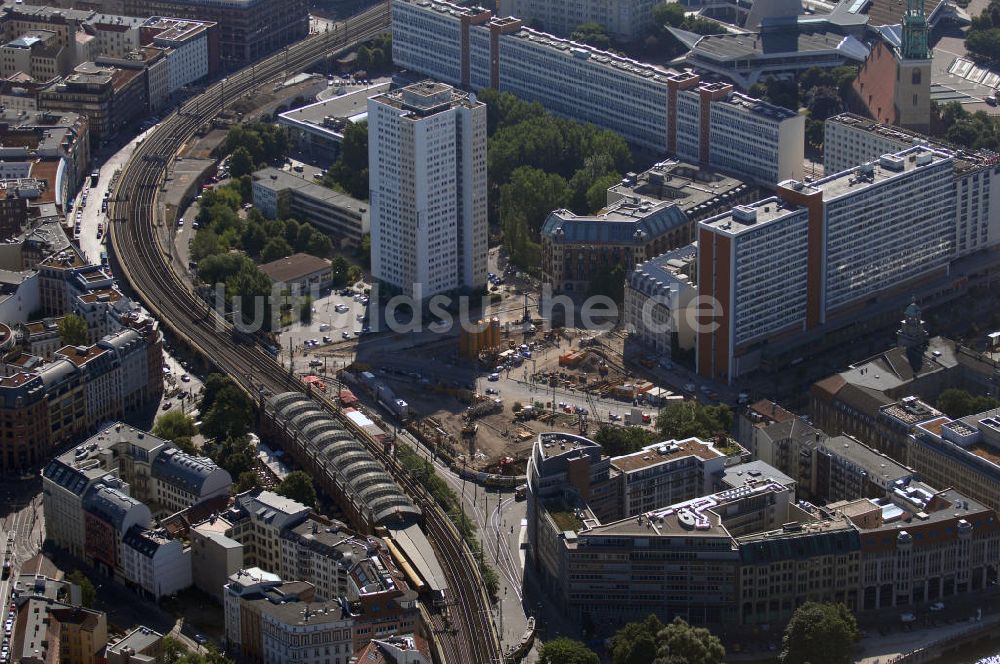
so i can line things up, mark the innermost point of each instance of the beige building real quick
(963, 452)
(215, 555)
(258, 518)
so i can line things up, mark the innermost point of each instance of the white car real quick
(937, 606)
(186, 378)
(493, 377)
(341, 308)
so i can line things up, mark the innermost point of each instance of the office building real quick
(398, 649)
(659, 298)
(270, 621)
(110, 97)
(657, 109)
(63, 137)
(750, 553)
(577, 248)
(920, 544)
(803, 261)
(850, 140)
(322, 554)
(249, 30)
(427, 174)
(962, 452)
(845, 469)
(318, 128)
(626, 20)
(279, 194)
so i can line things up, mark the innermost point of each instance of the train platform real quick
(414, 545)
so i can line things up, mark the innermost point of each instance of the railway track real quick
(467, 635)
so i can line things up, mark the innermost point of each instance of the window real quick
(916, 77)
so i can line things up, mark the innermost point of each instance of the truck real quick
(95, 175)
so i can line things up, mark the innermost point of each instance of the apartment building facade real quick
(850, 140)
(427, 155)
(658, 109)
(813, 245)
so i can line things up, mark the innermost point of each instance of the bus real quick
(94, 177)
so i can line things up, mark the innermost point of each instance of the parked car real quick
(493, 377)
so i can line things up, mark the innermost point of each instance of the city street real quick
(24, 520)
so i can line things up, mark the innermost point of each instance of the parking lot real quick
(336, 319)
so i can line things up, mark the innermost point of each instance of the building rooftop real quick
(673, 269)
(744, 218)
(175, 29)
(279, 180)
(671, 450)
(426, 98)
(910, 411)
(873, 462)
(690, 187)
(144, 541)
(742, 474)
(183, 470)
(625, 221)
(294, 267)
(331, 115)
(112, 504)
(766, 44)
(619, 65)
(81, 355)
(138, 641)
(887, 167)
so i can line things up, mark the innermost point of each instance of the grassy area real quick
(566, 520)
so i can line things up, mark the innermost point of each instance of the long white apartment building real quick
(820, 253)
(626, 20)
(427, 175)
(659, 109)
(850, 140)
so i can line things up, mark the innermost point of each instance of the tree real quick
(567, 651)
(597, 194)
(820, 634)
(245, 185)
(672, 14)
(205, 243)
(241, 163)
(350, 171)
(247, 480)
(227, 416)
(635, 643)
(175, 652)
(211, 386)
(783, 93)
(298, 486)
(73, 330)
(177, 427)
(684, 419)
(616, 441)
(680, 643)
(88, 593)
(250, 289)
(218, 269)
(957, 403)
(824, 102)
(276, 247)
(591, 33)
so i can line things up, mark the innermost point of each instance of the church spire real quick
(915, 31)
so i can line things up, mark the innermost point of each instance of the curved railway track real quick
(467, 634)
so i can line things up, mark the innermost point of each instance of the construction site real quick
(481, 400)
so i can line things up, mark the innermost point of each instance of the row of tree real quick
(816, 634)
(982, 40)
(257, 143)
(821, 91)
(376, 55)
(537, 163)
(678, 421)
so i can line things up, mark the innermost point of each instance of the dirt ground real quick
(435, 384)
